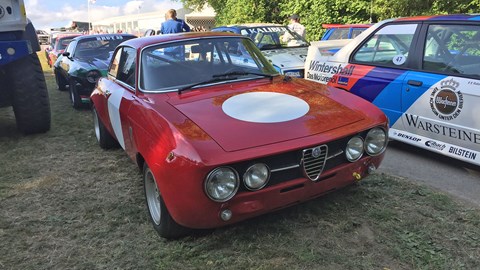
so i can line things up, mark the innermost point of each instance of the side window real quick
(126, 73)
(387, 47)
(453, 49)
(113, 70)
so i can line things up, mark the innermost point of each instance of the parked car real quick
(343, 31)
(43, 37)
(83, 62)
(220, 139)
(338, 35)
(58, 44)
(284, 48)
(423, 72)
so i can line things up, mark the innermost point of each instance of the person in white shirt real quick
(296, 26)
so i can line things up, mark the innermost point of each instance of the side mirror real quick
(67, 54)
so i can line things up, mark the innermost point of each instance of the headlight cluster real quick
(374, 144)
(222, 183)
(93, 76)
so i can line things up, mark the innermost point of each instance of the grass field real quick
(67, 204)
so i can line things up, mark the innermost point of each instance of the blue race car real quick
(423, 72)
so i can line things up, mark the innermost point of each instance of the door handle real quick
(414, 83)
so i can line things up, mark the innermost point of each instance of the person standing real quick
(173, 24)
(296, 26)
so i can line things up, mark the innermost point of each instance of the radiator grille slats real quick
(313, 161)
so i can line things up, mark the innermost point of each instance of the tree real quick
(314, 13)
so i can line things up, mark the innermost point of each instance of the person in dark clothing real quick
(173, 24)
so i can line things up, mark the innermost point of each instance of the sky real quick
(46, 14)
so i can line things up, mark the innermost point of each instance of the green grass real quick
(65, 203)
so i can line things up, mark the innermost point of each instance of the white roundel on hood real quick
(265, 107)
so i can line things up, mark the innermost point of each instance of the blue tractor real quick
(22, 83)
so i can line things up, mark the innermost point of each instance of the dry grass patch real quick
(67, 204)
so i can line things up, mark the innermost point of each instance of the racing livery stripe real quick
(388, 100)
(451, 150)
(114, 101)
(347, 81)
(477, 18)
(372, 84)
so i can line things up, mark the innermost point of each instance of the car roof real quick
(331, 25)
(150, 40)
(452, 17)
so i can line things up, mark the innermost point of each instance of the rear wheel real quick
(161, 219)
(105, 140)
(30, 95)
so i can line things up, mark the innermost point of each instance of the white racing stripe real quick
(265, 107)
(114, 101)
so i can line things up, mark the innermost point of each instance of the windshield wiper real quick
(224, 77)
(215, 79)
(243, 73)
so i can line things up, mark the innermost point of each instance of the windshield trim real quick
(166, 90)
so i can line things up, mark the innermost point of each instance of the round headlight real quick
(376, 141)
(354, 149)
(93, 76)
(256, 176)
(221, 184)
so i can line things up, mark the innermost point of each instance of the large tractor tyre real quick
(30, 95)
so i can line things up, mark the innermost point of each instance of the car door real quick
(379, 67)
(440, 101)
(120, 92)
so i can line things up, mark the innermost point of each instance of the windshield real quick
(274, 37)
(180, 64)
(99, 45)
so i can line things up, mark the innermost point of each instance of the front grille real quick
(313, 161)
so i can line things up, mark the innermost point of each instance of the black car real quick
(83, 62)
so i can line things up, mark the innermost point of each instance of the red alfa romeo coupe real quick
(222, 137)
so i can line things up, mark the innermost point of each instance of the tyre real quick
(161, 219)
(30, 95)
(105, 140)
(61, 82)
(74, 97)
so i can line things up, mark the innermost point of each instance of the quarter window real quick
(113, 70)
(126, 72)
(453, 49)
(387, 47)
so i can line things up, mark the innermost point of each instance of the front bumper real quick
(204, 213)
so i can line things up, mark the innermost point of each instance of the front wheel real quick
(161, 219)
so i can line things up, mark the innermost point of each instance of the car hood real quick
(267, 114)
(287, 58)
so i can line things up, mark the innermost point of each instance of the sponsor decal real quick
(446, 102)
(436, 128)
(435, 145)
(328, 72)
(331, 69)
(109, 38)
(462, 152)
(295, 73)
(343, 80)
(405, 136)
